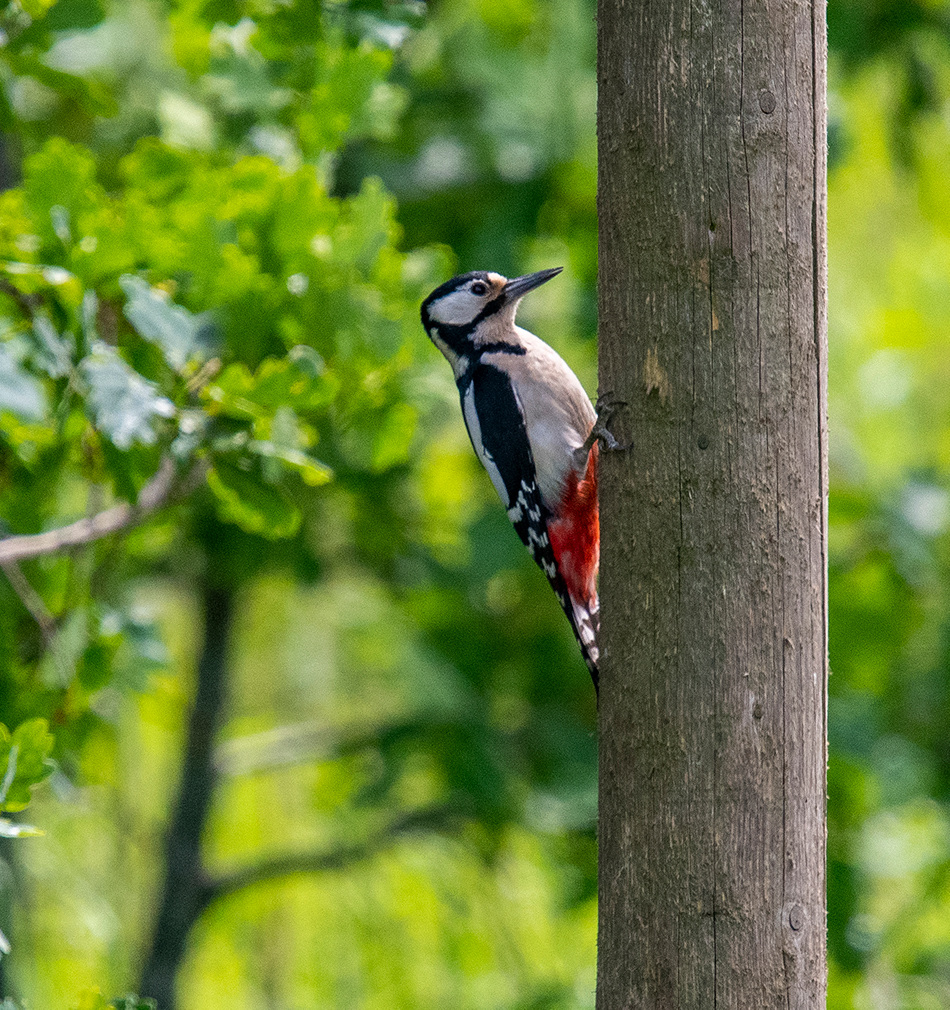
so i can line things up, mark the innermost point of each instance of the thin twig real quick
(30, 599)
(297, 863)
(27, 304)
(285, 746)
(204, 375)
(161, 489)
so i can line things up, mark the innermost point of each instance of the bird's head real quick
(459, 305)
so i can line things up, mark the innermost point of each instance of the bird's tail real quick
(585, 620)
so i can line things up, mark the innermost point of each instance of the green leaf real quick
(61, 175)
(255, 506)
(36, 8)
(308, 361)
(39, 279)
(20, 393)
(52, 353)
(24, 757)
(130, 1002)
(10, 773)
(282, 446)
(88, 92)
(172, 328)
(298, 381)
(74, 15)
(13, 829)
(192, 427)
(92, 999)
(36, 744)
(312, 471)
(123, 403)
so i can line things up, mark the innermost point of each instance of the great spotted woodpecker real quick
(534, 429)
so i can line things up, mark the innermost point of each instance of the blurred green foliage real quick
(225, 215)
(889, 829)
(190, 279)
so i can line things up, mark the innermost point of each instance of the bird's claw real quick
(608, 441)
(606, 407)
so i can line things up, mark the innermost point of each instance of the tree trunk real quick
(10, 174)
(182, 897)
(711, 127)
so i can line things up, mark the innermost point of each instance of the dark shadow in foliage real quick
(865, 31)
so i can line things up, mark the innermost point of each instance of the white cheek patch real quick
(457, 309)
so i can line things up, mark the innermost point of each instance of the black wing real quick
(504, 440)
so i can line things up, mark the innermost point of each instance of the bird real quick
(535, 430)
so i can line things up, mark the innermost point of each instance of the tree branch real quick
(161, 489)
(27, 304)
(296, 863)
(30, 599)
(178, 903)
(283, 746)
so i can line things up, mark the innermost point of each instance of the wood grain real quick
(711, 132)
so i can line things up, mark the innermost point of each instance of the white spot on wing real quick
(536, 536)
(527, 489)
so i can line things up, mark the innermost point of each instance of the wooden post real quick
(711, 127)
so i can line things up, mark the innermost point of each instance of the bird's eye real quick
(479, 289)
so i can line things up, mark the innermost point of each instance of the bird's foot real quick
(607, 406)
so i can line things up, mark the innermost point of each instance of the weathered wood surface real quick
(711, 131)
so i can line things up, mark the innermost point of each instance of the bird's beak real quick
(519, 286)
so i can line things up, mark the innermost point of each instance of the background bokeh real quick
(404, 777)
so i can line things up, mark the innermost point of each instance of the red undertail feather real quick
(575, 540)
